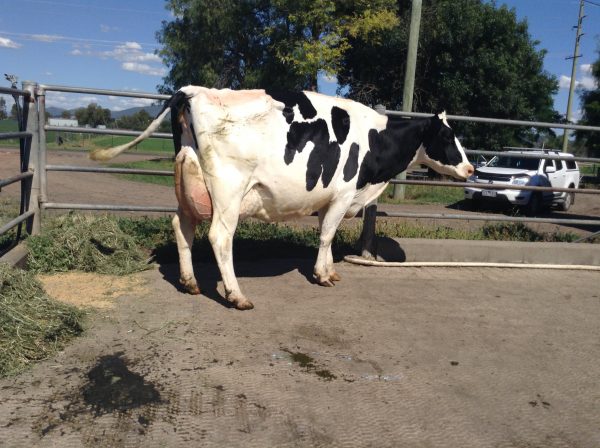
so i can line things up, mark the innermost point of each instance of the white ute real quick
(511, 168)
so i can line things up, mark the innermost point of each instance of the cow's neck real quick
(391, 150)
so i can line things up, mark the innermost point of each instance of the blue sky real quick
(111, 44)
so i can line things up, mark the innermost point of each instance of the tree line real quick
(474, 58)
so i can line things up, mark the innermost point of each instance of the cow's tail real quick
(172, 103)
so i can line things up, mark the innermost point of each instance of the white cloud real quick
(564, 82)
(586, 80)
(144, 69)
(5, 42)
(107, 28)
(131, 56)
(46, 37)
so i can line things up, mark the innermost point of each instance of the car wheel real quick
(535, 205)
(569, 199)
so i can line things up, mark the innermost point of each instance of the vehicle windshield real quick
(514, 162)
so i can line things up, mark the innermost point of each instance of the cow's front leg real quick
(184, 235)
(329, 220)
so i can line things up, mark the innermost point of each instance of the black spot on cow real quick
(440, 143)
(301, 133)
(292, 99)
(324, 157)
(392, 149)
(341, 123)
(322, 162)
(351, 166)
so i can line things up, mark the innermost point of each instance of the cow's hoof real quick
(322, 280)
(191, 288)
(335, 277)
(239, 301)
(246, 305)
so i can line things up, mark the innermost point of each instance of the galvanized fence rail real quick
(27, 163)
(36, 135)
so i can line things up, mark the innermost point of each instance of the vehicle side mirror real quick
(550, 169)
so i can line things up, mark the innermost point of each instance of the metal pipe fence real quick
(36, 134)
(28, 207)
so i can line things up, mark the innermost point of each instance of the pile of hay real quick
(32, 325)
(85, 243)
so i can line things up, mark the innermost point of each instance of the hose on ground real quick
(355, 259)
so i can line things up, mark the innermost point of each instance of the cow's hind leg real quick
(329, 220)
(226, 208)
(184, 235)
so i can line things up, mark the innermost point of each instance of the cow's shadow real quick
(208, 275)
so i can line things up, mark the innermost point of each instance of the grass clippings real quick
(85, 243)
(32, 325)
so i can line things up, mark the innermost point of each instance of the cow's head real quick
(442, 151)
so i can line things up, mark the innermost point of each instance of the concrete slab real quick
(416, 249)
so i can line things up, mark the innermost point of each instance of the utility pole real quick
(575, 57)
(409, 77)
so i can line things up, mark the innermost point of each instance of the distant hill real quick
(152, 110)
(55, 111)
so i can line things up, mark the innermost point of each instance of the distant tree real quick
(261, 43)
(138, 121)
(590, 100)
(3, 114)
(13, 111)
(65, 114)
(93, 115)
(474, 59)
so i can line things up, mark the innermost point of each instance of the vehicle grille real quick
(493, 177)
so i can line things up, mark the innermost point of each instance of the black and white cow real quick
(277, 155)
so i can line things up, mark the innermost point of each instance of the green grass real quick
(424, 194)
(81, 141)
(9, 125)
(159, 164)
(158, 145)
(32, 325)
(90, 141)
(255, 239)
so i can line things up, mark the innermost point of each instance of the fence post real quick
(367, 237)
(31, 116)
(41, 103)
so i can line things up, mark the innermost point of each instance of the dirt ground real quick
(389, 357)
(108, 189)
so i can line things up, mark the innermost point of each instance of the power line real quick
(49, 38)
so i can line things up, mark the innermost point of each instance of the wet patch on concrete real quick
(113, 387)
(307, 362)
